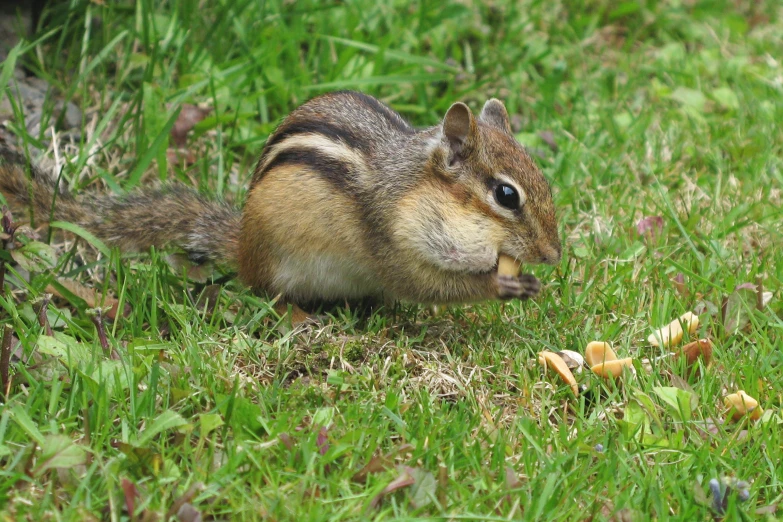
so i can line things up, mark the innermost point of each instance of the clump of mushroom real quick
(741, 404)
(603, 361)
(672, 333)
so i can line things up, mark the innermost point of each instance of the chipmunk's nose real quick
(550, 254)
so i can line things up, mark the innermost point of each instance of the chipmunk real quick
(347, 201)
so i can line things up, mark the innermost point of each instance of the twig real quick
(43, 319)
(5, 359)
(8, 229)
(443, 485)
(759, 293)
(97, 319)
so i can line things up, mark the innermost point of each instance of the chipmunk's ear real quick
(494, 113)
(458, 127)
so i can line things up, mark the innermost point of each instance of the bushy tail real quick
(172, 215)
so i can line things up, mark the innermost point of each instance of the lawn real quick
(659, 126)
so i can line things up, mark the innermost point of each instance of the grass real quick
(632, 109)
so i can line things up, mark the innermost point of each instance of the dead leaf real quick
(650, 226)
(189, 116)
(322, 441)
(131, 493)
(708, 428)
(679, 382)
(548, 137)
(404, 480)
(512, 480)
(679, 284)
(208, 299)
(188, 513)
(767, 510)
(184, 500)
(287, 441)
(380, 463)
(92, 297)
(180, 156)
(738, 308)
(376, 464)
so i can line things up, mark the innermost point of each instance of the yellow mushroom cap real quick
(554, 361)
(672, 333)
(598, 352)
(613, 368)
(740, 404)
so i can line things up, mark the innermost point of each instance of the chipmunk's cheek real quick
(469, 258)
(455, 240)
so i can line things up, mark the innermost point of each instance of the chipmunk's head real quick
(486, 194)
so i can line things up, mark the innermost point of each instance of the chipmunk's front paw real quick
(522, 287)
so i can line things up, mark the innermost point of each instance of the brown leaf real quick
(208, 299)
(708, 428)
(380, 463)
(130, 492)
(92, 297)
(188, 117)
(767, 510)
(376, 464)
(287, 441)
(512, 480)
(322, 441)
(548, 137)
(404, 480)
(188, 513)
(679, 382)
(679, 284)
(178, 504)
(650, 226)
(180, 156)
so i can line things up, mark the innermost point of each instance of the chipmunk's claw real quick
(522, 287)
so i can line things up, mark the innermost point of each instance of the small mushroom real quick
(599, 351)
(612, 368)
(740, 404)
(554, 361)
(693, 350)
(671, 334)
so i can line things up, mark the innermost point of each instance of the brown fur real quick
(393, 201)
(170, 215)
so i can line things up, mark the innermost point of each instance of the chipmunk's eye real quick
(507, 196)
